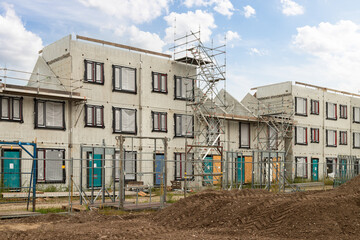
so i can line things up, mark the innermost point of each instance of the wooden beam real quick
(122, 46)
(328, 89)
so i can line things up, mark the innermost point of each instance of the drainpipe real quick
(140, 115)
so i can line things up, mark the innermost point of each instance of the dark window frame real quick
(94, 64)
(11, 109)
(159, 90)
(159, 121)
(343, 113)
(44, 115)
(249, 138)
(114, 120)
(37, 167)
(306, 166)
(114, 89)
(341, 142)
(354, 120)
(184, 98)
(316, 138)
(355, 147)
(315, 111)
(306, 136)
(188, 136)
(327, 111)
(327, 138)
(306, 107)
(182, 178)
(94, 116)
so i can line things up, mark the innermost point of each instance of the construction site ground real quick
(245, 214)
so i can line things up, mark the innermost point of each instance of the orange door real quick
(217, 169)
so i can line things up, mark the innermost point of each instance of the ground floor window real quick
(331, 167)
(301, 167)
(129, 167)
(51, 166)
(180, 166)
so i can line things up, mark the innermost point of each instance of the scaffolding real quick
(205, 102)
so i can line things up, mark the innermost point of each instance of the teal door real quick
(315, 169)
(94, 177)
(343, 168)
(11, 169)
(208, 169)
(241, 169)
(159, 161)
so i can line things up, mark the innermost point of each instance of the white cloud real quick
(18, 46)
(224, 7)
(230, 36)
(255, 51)
(249, 11)
(335, 49)
(187, 22)
(137, 11)
(291, 8)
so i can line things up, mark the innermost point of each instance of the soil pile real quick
(333, 214)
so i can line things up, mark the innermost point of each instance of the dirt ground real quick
(246, 214)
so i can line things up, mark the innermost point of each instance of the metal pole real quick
(34, 177)
(81, 173)
(120, 144)
(92, 175)
(252, 169)
(241, 170)
(269, 172)
(103, 176)
(114, 173)
(165, 167)
(261, 171)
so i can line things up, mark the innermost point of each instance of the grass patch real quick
(114, 212)
(50, 210)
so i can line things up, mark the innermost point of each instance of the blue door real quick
(11, 169)
(208, 169)
(159, 161)
(241, 169)
(97, 169)
(315, 169)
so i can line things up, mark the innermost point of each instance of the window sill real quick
(314, 113)
(301, 114)
(314, 142)
(97, 83)
(12, 120)
(160, 131)
(161, 92)
(343, 144)
(129, 133)
(125, 91)
(343, 118)
(185, 99)
(303, 144)
(332, 119)
(50, 182)
(244, 147)
(181, 136)
(51, 128)
(90, 126)
(333, 146)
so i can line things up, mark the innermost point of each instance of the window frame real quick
(306, 167)
(159, 90)
(327, 111)
(175, 89)
(182, 178)
(314, 132)
(354, 118)
(44, 115)
(114, 120)
(10, 108)
(315, 111)
(306, 136)
(94, 64)
(249, 137)
(354, 146)
(44, 181)
(175, 122)
(327, 138)
(114, 89)
(160, 129)
(341, 142)
(306, 107)
(94, 112)
(341, 110)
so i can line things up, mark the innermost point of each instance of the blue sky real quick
(269, 41)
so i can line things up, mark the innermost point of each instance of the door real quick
(343, 168)
(159, 161)
(217, 169)
(241, 170)
(208, 169)
(11, 169)
(94, 177)
(315, 169)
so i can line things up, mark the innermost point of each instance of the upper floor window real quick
(159, 82)
(184, 125)
(124, 79)
(184, 88)
(343, 111)
(301, 106)
(244, 135)
(356, 114)
(51, 166)
(315, 107)
(343, 138)
(11, 109)
(159, 121)
(49, 114)
(94, 116)
(331, 138)
(314, 135)
(273, 138)
(94, 72)
(331, 111)
(181, 169)
(301, 135)
(124, 120)
(356, 139)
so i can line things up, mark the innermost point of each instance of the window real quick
(94, 72)
(51, 166)
(301, 167)
(331, 138)
(301, 106)
(11, 109)
(343, 138)
(184, 88)
(314, 135)
(124, 120)
(184, 125)
(331, 167)
(159, 121)
(244, 135)
(356, 139)
(124, 79)
(301, 135)
(129, 166)
(159, 82)
(356, 114)
(180, 166)
(315, 107)
(94, 116)
(272, 138)
(49, 114)
(343, 111)
(331, 111)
